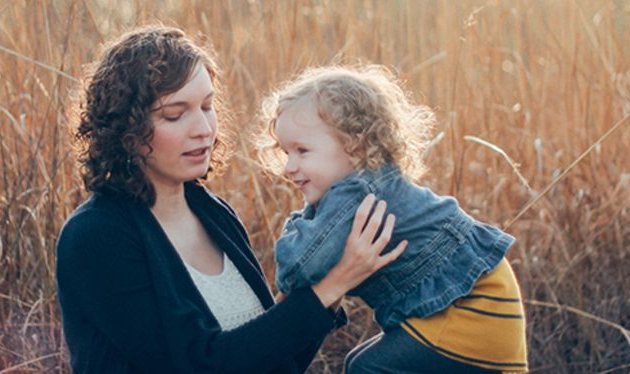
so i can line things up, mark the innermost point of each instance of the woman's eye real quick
(172, 117)
(302, 150)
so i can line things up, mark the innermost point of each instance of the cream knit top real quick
(230, 299)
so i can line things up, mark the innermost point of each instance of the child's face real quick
(315, 156)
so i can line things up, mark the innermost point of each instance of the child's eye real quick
(302, 150)
(207, 107)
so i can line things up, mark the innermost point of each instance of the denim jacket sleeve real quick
(311, 244)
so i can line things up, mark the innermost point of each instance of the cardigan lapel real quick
(220, 226)
(168, 270)
(223, 230)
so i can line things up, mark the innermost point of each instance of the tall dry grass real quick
(527, 86)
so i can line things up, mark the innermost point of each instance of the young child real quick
(450, 302)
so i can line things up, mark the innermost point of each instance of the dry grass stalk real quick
(506, 71)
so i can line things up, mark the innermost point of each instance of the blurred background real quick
(532, 99)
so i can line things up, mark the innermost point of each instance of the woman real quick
(155, 273)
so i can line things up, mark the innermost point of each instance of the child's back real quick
(447, 252)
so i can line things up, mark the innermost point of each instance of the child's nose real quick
(291, 165)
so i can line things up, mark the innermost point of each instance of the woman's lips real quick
(198, 154)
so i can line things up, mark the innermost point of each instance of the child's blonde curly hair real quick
(374, 118)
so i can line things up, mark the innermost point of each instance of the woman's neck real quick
(170, 203)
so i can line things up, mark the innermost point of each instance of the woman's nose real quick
(205, 124)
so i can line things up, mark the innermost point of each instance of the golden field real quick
(532, 99)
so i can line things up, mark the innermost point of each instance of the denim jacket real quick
(448, 250)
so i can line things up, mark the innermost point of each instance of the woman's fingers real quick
(369, 233)
(362, 214)
(362, 254)
(386, 234)
(393, 255)
(382, 241)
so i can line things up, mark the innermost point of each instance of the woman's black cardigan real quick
(129, 305)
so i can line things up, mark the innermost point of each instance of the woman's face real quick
(185, 127)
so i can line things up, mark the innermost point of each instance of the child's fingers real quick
(362, 214)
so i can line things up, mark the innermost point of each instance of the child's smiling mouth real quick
(301, 183)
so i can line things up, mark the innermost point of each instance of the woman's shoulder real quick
(99, 208)
(95, 220)
(99, 234)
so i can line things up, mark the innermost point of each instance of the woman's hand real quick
(362, 255)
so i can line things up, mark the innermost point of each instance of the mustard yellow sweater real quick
(485, 328)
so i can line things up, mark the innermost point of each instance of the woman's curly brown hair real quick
(372, 115)
(114, 124)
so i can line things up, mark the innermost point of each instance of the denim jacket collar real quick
(380, 175)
